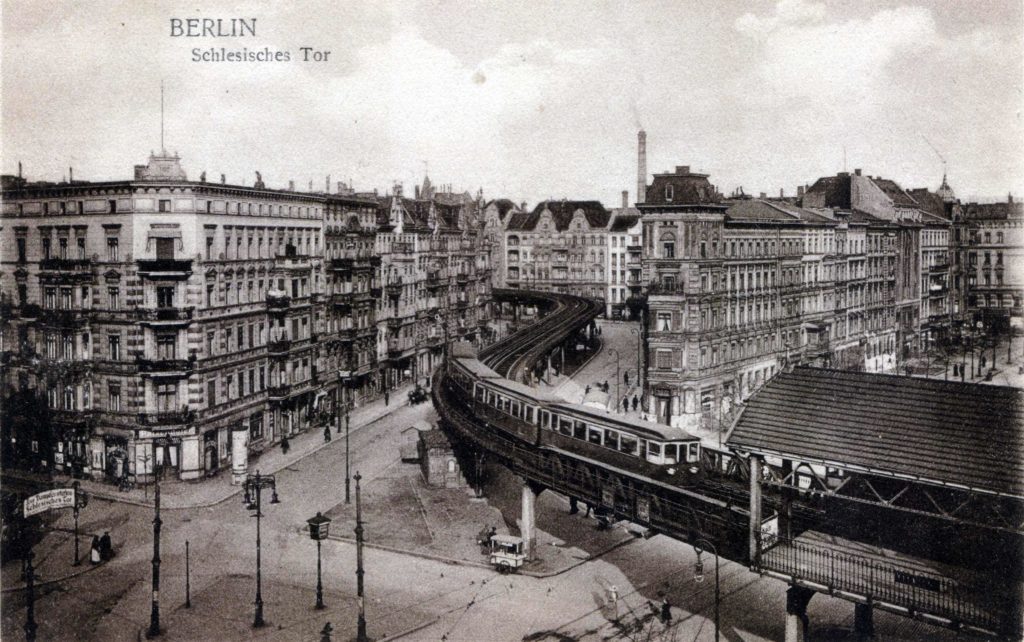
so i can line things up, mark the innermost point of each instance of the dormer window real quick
(669, 192)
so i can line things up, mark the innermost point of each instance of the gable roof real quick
(899, 197)
(562, 213)
(930, 430)
(503, 205)
(830, 191)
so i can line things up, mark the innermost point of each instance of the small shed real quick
(437, 461)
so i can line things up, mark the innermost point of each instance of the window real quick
(46, 249)
(209, 247)
(669, 192)
(165, 296)
(112, 253)
(166, 397)
(668, 246)
(664, 321)
(50, 298)
(81, 248)
(66, 298)
(165, 249)
(62, 245)
(164, 206)
(112, 298)
(114, 397)
(21, 250)
(166, 346)
(211, 393)
(664, 359)
(114, 347)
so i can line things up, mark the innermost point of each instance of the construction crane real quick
(936, 153)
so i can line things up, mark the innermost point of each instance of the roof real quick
(934, 431)
(992, 211)
(562, 213)
(503, 205)
(623, 222)
(687, 189)
(931, 203)
(899, 197)
(830, 191)
(435, 439)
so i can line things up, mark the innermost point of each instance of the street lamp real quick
(253, 486)
(361, 622)
(347, 476)
(319, 527)
(154, 612)
(698, 574)
(639, 359)
(617, 358)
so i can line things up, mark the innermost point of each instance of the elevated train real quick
(518, 412)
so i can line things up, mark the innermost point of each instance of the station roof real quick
(938, 432)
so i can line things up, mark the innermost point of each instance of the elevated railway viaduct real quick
(778, 511)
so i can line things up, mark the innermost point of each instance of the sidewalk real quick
(205, 492)
(1003, 373)
(53, 561)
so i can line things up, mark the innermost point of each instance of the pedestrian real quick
(483, 539)
(666, 611)
(327, 434)
(625, 377)
(625, 404)
(285, 444)
(106, 547)
(636, 402)
(94, 551)
(956, 370)
(589, 508)
(573, 506)
(605, 385)
(587, 391)
(387, 398)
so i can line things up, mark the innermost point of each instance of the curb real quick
(36, 585)
(235, 490)
(411, 630)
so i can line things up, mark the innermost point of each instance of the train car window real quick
(653, 451)
(491, 401)
(515, 409)
(529, 415)
(579, 430)
(627, 444)
(565, 426)
(671, 453)
(611, 439)
(693, 452)
(480, 392)
(545, 419)
(594, 435)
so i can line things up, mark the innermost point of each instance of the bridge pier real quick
(528, 518)
(863, 622)
(797, 599)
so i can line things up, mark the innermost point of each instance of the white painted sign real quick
(49, 500)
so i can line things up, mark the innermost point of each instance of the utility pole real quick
(188, 583)
(361, 623)
(30, 598)
(75, 485)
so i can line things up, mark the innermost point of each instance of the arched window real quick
(668, 245)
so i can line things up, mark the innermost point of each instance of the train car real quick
(464, 372)
(511, 407)
(657, 451)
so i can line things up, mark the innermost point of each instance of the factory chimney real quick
(625, 198)
(641, 167)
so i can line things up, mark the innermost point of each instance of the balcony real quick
(164, 316)
(666, 287)
(462, 278)
(461, 303)
(342, 265)
(347, 335)
(394, 289)
(72, 266)
(279, 346)
(62, 318)
(294, 263)
(402, 248)
(343, 307)
(165, 268)
(279, 392)
(169, 418)
(375, 261)
(395, 322)
(278, 301)
(165, 367)
(376, 292)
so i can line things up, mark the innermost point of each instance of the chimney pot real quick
(291, 186)
(800, 191)
(682, 169)
(625, 198)
(857, 172)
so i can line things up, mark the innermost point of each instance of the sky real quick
(529, 100)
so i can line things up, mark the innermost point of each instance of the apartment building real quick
(561, 246)
(624, 264)
(736, 289)
(162, 324)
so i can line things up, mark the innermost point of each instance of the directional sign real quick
(49, 500)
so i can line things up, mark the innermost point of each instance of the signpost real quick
(50, 500)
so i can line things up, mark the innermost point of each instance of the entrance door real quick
(664, 410)
(167, 460)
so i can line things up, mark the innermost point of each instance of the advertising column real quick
(239, 453)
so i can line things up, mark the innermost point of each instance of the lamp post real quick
(698, 574)
(154, 612)
(361, 622)
(639, 359)
(253, 486)
(319, 527)
(30, 598)
(81, 500)
(617, 358)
